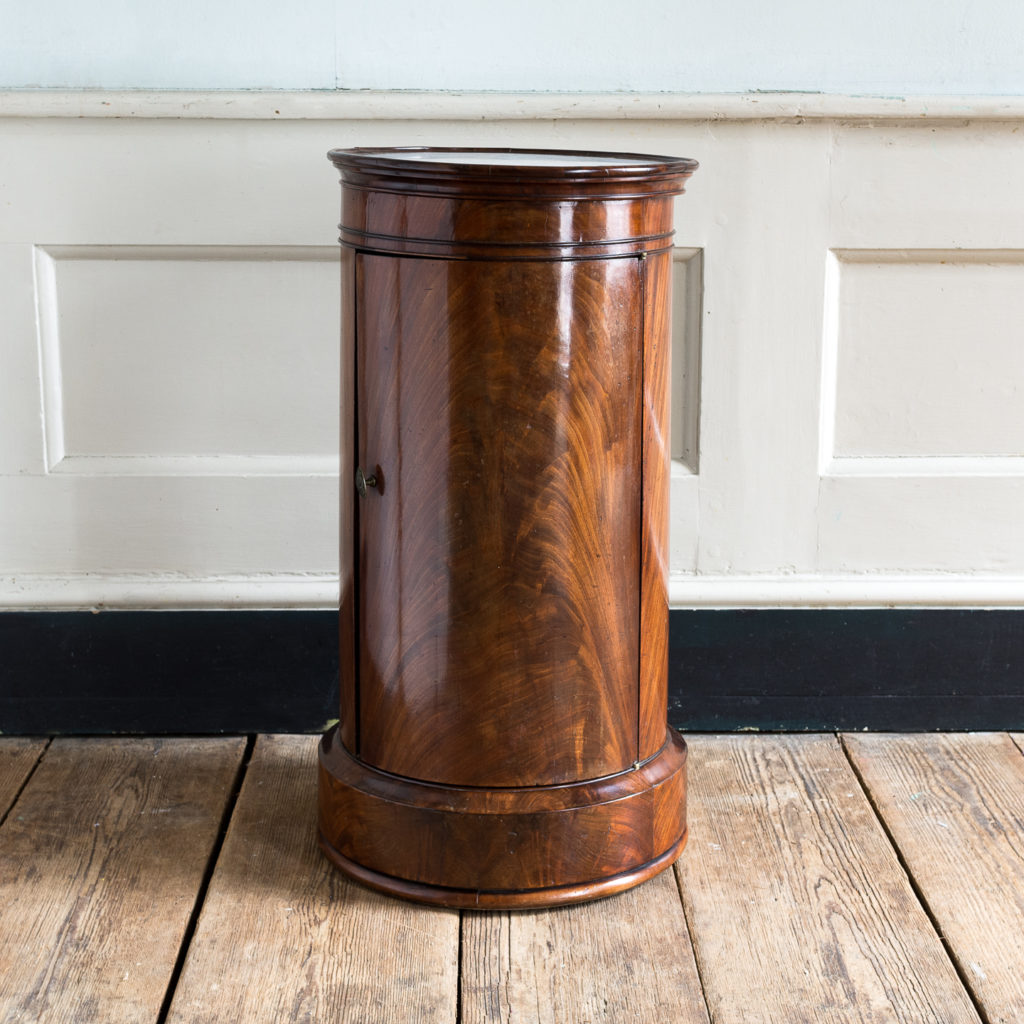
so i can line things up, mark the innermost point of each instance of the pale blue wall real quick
(881, 47)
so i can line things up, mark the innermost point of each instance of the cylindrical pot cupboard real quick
(502, 737)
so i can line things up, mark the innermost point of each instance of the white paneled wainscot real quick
(848, 425)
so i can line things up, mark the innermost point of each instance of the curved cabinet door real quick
(498, 555)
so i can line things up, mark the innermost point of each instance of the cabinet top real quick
(510, 171)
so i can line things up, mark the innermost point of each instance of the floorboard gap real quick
(675, 869)
(25, 781)
(921, 898)
(204, 885)
(458, 969)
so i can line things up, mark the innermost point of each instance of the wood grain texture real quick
(954, 804)
(483, 210)
(798, 906)
(481, 847)
(657, 352)
(499, 556)
(348, 712)
(626, 958)
(284, 937)
(18, 756)
(510, 536)
(100, 862)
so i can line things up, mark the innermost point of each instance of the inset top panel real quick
(566, 160)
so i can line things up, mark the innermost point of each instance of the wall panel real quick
(928, 357)
(847, 426)
(188, 360)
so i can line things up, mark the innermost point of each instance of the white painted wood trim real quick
(161, 592)
(905, 466)
(371, 105)
(946, 590)
(197, 465)
(316, 591)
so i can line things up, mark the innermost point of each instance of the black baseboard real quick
(167, 672)
(765, 669)
(823, 669)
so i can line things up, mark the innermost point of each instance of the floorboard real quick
(101, 859)
(864, 879)
(798, 906)
(283, 936)
(954, 805)
(625, 958)
(18, 756)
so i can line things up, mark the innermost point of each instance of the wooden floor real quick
(875, 878)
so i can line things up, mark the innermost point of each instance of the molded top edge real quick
(508, 166)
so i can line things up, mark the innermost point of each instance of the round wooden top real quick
(510, 171)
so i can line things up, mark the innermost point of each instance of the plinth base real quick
(535, 846)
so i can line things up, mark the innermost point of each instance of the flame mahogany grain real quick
(494, 556)
(503, 629)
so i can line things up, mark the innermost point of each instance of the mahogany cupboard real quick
(502, 739)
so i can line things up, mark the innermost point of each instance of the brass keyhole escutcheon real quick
(364, 482)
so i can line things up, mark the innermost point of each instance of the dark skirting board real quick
(846, 669)
(167, 672)
(276, 671)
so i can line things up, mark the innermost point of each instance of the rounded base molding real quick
(533, 846)
(476, 899)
